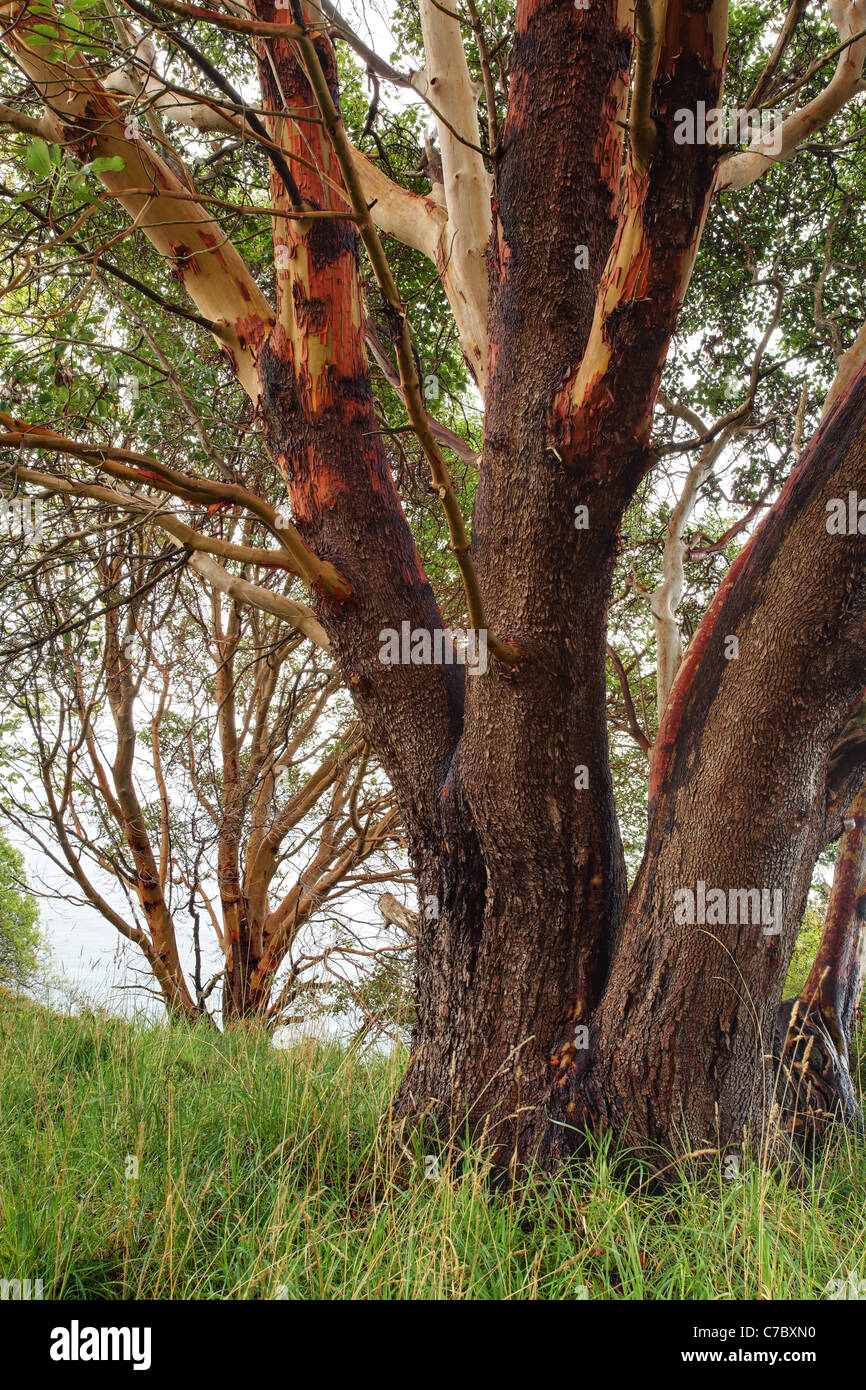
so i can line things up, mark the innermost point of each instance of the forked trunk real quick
(542, 1006)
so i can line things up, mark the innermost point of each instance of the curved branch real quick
(666, 598)
(465, 181)
(89, 121)
(644, 136)
(202, 549)
(739, 170)
(503, 651)
(256, 596)
(145, 470)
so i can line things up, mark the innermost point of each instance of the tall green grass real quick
(267, 1173)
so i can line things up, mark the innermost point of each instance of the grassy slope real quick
(269, 1174)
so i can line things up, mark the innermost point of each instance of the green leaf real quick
(46, 36)
(38, 158)
(104, 162)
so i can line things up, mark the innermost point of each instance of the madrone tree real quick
(188, 751)
(566, 184)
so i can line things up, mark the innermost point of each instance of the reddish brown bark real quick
(685, 1034)
(531, 897)
(318, 406)
(524, 935)
(519, 865)
(835, 981)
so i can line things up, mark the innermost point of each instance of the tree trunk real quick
(685, 1036)
(530, 888)
(682, 1046)
(544, 1001)
(542, 1006)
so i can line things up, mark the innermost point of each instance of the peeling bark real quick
(89, 120)
(319, 412)
(525, 945)
(814, 1030)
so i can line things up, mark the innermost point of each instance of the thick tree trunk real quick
(685, 1034)
(683, 1046)
(531, 890)
(539, 1007)
(523, 897)
(501, 962)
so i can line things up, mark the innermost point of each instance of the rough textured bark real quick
(528, 900)
(544, 1001)
(685, 1033)
(318, 407)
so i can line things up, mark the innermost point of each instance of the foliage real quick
(20, 939)
(102, 352)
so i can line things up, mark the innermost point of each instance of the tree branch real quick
(739, 170)
(88, 120)
(466, 185)
(144, 469)
(644, 135)
(503, 651)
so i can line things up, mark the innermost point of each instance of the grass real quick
(266, 1173)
